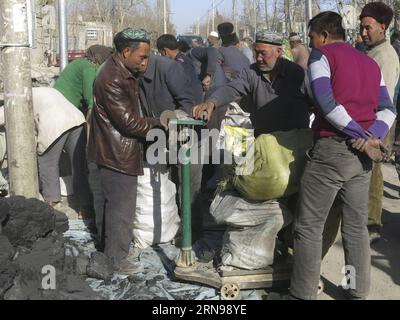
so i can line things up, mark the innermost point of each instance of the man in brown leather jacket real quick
(116, 140)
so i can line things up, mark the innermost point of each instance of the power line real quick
(212, 8)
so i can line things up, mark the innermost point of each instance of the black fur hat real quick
(227, 34)
(379, 11)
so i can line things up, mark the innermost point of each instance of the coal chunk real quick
(8, 272)
(61, 224)
(4, 209)
(7, 251)
(27, 220)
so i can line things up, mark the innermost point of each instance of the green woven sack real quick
(279, 162)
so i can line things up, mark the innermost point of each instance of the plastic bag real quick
(237, 131)
(279, 162)
(156, 220)
(250, 240)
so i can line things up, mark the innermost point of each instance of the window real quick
(91, 34)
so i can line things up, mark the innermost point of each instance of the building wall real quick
(78, 35)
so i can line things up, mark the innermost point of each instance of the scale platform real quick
(232, 282)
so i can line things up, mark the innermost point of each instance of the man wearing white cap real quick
(213, 39)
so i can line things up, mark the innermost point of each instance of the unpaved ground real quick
(385, 259)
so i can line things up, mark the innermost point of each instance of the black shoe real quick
(204, 253)
(349, 296)
(3, 193)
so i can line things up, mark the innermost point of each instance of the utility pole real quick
(213, 15)
(159, 14)
(255, 5)
(234, 14)
(208, 23)
(266, 13)
(63, 34)
(309, 16)
(309, 12)
(165, 17)
(287, 17)
(20, 126)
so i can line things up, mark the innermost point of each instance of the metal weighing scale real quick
(188, 269)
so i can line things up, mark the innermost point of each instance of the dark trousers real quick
(333, 170)
(98, 202)
(120, 191)
(74, 142)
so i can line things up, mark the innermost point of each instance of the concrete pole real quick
(309, 13)
(288, 27)
(208, 23)
(255, 4)
(309, 16)
(235, 15)
(165, 17)
(20, 126)
(266, 14)
(213, 15)
(63, 34)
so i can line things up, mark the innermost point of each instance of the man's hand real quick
(359, 144)
(199, 110)
(372, 147)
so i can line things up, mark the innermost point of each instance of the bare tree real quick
(123, 13)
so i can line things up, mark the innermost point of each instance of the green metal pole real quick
(187, 258)
(186, 206)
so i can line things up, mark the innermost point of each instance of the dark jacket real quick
(165, 86)
(194, 80)
(117, 130)
(281, 105)
(232, 61)
(205, 62)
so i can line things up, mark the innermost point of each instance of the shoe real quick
(70, 213)
(128, 268)
(3, 193)
(349, 296)
(374, 234)
(204, 252)
(53, 204)
(85, 215)
(134, 254)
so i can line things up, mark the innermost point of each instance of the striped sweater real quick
(350, 93)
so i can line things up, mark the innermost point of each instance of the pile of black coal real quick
(36, 261)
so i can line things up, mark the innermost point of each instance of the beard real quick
(137, 72)
(266, 68)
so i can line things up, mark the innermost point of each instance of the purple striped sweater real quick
(350, 93)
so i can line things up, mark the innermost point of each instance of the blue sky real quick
(186, 12)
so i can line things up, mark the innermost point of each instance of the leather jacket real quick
(117, 131)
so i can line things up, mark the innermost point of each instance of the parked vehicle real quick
(72, 55)
(189, 37)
